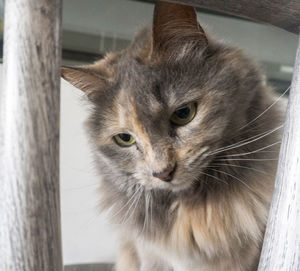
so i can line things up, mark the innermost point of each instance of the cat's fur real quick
(212, 215)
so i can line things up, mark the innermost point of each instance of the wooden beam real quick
(30, 235)
(281, 248)
(284, 13)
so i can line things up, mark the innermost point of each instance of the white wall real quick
(86, 234)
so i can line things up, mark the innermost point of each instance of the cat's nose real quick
(166, 174)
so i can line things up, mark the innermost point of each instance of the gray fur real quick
(230, 92)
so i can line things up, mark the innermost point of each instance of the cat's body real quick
(186, 155)
(218, 227)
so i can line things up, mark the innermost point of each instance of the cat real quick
(186, 135)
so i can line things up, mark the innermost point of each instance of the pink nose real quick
(166, 174)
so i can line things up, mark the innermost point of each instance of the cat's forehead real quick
(142, 103)
(139, 84)
(154, 87)
(131, 73)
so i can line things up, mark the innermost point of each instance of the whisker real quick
(145, 215)
(130, 201)
(267, 109)
(247, 159)
(239, 142)
(234, 177)
(246, 139)
(212, 176)
(136, 204)
(247, 142)
(251, 152)
(146, 226)
(151, 214)
(238, 166)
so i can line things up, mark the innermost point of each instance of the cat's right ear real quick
(174, 26)
(84, 78)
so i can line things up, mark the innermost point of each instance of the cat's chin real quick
(173, 186)
(180, 187)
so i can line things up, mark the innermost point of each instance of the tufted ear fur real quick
(86, 78)
(175, 25)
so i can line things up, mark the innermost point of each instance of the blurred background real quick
(90, 29)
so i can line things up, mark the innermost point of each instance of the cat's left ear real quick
(174, 26)
(86, 78)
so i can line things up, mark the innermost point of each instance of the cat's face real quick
(155, 122)
(160, 120)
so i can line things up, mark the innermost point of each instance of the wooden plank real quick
(89, 267)
(29, 131)
(281, 249)
(282, 13)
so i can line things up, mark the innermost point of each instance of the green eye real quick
(124, 140)
(184, 114)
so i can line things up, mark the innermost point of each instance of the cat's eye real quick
(124, 140)
(184, 114)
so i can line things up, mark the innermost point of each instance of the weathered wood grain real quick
(30, 238)
(281, 249)
(282, 13)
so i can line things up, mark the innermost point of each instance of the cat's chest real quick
(206, 233)
(187, 245)
(196, 230)
(213, 232)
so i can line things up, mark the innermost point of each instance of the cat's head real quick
(163, 104)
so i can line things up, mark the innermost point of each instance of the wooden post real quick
(281, 248)
(30, 238)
